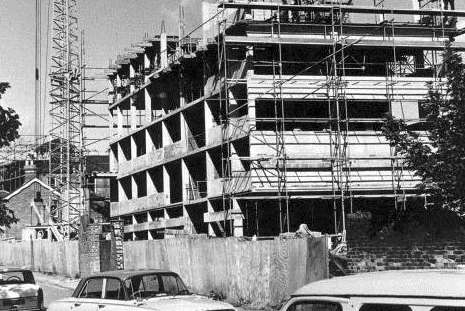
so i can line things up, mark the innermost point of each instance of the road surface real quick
(53, 292)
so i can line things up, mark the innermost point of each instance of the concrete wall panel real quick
(53, 257)
(259, 273)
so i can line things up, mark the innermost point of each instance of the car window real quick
(92, 289)
(384, 307)
(114, 289)
(151, 285)
(315, 306)
(16, 277)
(440, 308)
(170, 284)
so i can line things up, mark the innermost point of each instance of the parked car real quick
(419, 290)
(136, 290)
(19, 291)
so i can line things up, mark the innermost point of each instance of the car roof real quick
(13, 269)
(404, 283)
(125, 274)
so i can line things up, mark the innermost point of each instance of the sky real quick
(110, 26)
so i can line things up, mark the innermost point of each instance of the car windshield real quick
(152, 285)
(16, 277)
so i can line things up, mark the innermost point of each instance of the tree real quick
(439, 160)
(9, 125)
(9, 121)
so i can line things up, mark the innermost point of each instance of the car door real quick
(89, 296)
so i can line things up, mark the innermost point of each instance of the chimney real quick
(163, 47)
(30, 169)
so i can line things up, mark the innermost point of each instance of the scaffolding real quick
(66, 110)
(339, 120)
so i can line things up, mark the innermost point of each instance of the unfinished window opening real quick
(195, 125)
(238, 101)
(114, 190)
(192, 80)
(222, 227)
(141, 235)
(127, 220)
(156, 102)
(214, 105)
(126, 186)
(141, 183)
(173, 127)
(175, 181)
(295, 60)
(315, 115)
(127, 237)
(156, 179)
(157, 234)
(215, 157)
(196, 186)
(125, 145)
(195, 212)
(175, 212)
(139, 139)
(241, 152)
(155, 136)
(157, 215)
(140, 218)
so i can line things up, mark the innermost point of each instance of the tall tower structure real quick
(66, 113)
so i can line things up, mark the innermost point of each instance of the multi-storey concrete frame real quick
(199, 106)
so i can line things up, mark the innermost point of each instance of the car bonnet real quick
(185, 303)
(9, 291)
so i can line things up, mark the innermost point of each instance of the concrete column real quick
(185, 179)
(252, 113)
(133, 114)
(148, 106)
(165, 135)
(146, 66)
(133, 147)
(166, 186)
(119, 116)
(149, 144)
(113, 160)
(150, 185)
(163, 47)
(134, 187)
(210, 172)
(184, 128)
(209, 123)
(111, 122)
(238, 221)
(211, 232)
(121, 194)
(118, 84)
(415, 6)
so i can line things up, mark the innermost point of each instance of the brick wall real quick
(20, 204)
(367, 253)
(89, 249)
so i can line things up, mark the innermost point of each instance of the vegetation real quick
(440, 158)
(9, 125)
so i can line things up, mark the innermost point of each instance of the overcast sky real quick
(110, 26)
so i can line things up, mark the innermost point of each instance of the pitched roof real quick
(26, 185)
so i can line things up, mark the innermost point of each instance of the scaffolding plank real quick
(343, 8)
(430, 45)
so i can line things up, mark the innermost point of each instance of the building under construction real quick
(272, 117)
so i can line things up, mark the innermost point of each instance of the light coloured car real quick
(135, 291)
(19, 291)
(408, 290)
